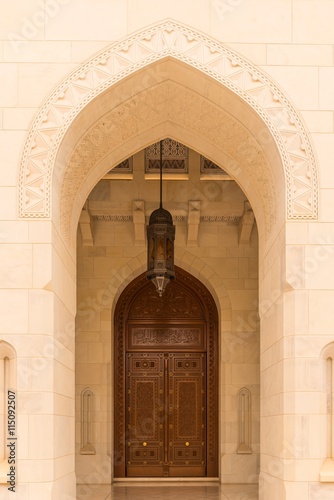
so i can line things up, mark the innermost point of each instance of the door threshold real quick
(166, 480)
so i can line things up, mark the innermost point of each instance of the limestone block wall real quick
(38, 313)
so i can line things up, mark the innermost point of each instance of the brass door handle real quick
(144, 443)
(187, 444)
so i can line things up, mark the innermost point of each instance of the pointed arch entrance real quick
(280, 129)
(50, 186)
(166, 380)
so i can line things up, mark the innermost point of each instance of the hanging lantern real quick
(160, 244)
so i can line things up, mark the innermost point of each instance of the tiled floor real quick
(167, 491)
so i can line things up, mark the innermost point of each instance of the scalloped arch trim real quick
(172, 39)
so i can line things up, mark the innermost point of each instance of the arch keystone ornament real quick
(167, 39)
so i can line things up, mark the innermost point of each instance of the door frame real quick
(191, 286)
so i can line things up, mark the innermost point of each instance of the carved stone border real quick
(168, 38)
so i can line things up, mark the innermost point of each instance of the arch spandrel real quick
(168, 39)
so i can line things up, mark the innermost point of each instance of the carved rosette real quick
(197, 50)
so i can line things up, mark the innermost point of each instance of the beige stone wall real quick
(291, 41)
(228, 268)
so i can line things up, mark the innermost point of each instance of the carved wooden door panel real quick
(166, 414)
(187, 414)
(145, 411)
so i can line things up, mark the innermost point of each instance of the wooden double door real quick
(166, 380)
(166, 414)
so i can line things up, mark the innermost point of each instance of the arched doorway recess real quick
(166, 380)
(169, 39)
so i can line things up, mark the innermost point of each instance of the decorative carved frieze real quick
(208, 167)
(112, 218)
(180, 218)
(174, 157)
(230, 219)
(191, 337)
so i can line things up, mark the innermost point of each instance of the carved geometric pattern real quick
(167, 39)
(146, 402)
(180, 218)
(208, 167)
(174, 157)
(233, 219)
(168, 166)
(186, 394)
(112, 218)
(125, 167)
(144, 386)
(176, 218)
(188, 386)
(187, 366)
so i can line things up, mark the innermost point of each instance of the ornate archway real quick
(168, 39)
(42, 178)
